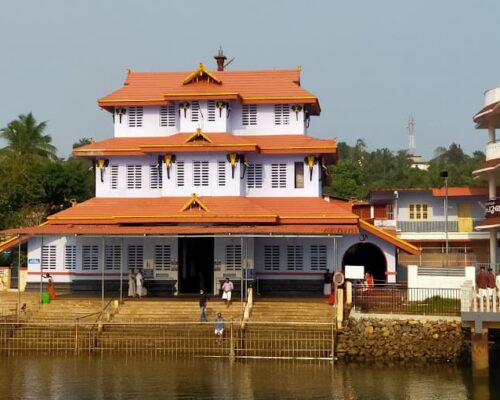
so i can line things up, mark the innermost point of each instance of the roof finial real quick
(221, 59)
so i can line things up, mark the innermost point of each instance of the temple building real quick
(209, 174)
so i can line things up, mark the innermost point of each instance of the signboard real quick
(354, 271)
(33, 261)
(492, 208)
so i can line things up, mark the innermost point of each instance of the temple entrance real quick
(371, 257)
(196, 264)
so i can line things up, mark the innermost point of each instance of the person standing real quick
(51, 288)
(219, 328)
(490, 282)
(131, 284)
(227, 288)
(482, 283)
(203, 306)
(327, 283)
(139, 282)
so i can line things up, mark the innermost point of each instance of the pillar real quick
(493, 248)
(491, 134)
(480, 356)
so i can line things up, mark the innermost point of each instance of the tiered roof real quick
(249, 87)
(212, 142)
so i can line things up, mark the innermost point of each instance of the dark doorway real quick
(196, 264)
(371, 257)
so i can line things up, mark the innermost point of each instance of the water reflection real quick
(117, 377)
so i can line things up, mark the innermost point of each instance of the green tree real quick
(25, 138)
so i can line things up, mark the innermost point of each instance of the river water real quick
(118, 377)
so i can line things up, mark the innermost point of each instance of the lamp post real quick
(444, 174)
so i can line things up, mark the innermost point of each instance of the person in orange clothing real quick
(51, 288)
(368, 280)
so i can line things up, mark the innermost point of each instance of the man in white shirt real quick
(227, 288)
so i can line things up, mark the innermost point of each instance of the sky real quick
(372, 64)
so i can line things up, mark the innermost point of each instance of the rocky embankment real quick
(400, 340)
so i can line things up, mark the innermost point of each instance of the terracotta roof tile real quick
(220, 142)
(460, 191)
(220, 210)
(263, 86)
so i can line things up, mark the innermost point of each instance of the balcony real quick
(432, 226)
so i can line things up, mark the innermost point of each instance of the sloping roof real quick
(219, 142)
(113, 230)
(12, 241)
(487, 115)
(251, 87)
(487, 166)
(460, 191)
(489, 223)
(230, 209)
(388, 237)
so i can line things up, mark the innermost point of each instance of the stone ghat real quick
(371, 339)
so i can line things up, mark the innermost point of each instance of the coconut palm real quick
(25, 137)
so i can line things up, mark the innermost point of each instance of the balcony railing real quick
(431, 226)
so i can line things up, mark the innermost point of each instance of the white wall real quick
(265, 122)
(283, 243)
(150, 125)
(233, 187)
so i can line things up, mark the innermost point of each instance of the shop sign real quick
(492, 208)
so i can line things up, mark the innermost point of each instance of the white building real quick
(208, 175)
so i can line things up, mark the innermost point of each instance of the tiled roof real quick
(108, 230)
(230, 209)
(220, 142)
(252, 87)
(487, 166)
(460, 191)
(482, 118)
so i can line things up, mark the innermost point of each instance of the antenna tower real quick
(411, 135)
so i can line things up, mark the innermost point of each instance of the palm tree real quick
(26, 138)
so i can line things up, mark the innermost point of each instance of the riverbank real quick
(400, 338)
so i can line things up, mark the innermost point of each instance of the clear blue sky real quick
(371, 63)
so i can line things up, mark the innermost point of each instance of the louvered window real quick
(135, 256)
(180, 173)
(163, 256)
(135, 117)
(233, 257)
(200, 173)
(134, 176)
(195, 111)
(113, 257)
(167, 115)
(155, 177)
(278, 175)
(254, 176)
(49, 257)
(221, 173)
(114, 176)
(70, 257)
(281, 114)
(211, 110)
(318, 257)
(294, 258)
(271, 257)
(90, 257)
(249, 114)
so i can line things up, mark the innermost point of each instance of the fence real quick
(287, 340)
(399, 299)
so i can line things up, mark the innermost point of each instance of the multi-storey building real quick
(418, 216)
(209, 174)
(489, 118)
